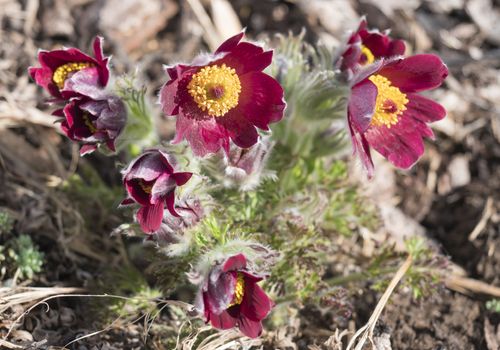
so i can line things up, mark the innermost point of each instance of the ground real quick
(452, 194)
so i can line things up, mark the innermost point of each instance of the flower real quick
(59, 65)
(93, 121)
(150, 181)
(93, 116)
(223, 97)
(366, 46)
(246, 167)
(230, 297)
(386, 112)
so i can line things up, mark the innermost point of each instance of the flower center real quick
(145, 187)
(215, 89)
(61, 73)
(88, 122)
(390, 104)
(367, 56)
(239, 290)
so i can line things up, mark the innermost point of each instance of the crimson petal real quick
(362, 105)
(255, 304)
(222, 321)
(425, 109)
(402, 144)
(250, 328)
(170, 200)
(261, 100)
(150, 216)
(416, 73)
(236, 262)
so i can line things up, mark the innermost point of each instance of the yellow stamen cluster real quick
(88, 122)
(239, 290)
(390, 104)
(145, 187)
(61, 73)
(215, 89)
(370, 58)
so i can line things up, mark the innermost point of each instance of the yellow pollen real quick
(370, 58)
(88, 122)
(390, 103)
(61, 73)
(215, 89)
(145, 187)
(239, 290)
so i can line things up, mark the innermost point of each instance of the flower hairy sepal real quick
(261, 258)
(315, 94)
(139, 133)
(242, 168)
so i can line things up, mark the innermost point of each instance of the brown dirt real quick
(449, 208)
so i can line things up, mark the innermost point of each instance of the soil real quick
(447, 192)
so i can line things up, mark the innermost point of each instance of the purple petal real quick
(182, 178)
(170, 200)
(149, 166)
(361, 148)
(220, 290)
(362, 105)
(164, 184)
(87, 149)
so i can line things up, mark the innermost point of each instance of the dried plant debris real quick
(284, 207)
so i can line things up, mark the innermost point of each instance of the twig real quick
(44, 302)
(210, 33)
(487, 212)
(366, 331)
(466, 285)
(7, 345)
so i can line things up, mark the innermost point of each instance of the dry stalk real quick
(467, 286)
(366, 332)
(487, 212)
(209, 32)
(181, 304)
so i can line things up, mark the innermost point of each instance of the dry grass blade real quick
(224, 340)
(487, 213)
(8, 345)
(10, 297)
(366, 331)
(467, 286)
(209, 31)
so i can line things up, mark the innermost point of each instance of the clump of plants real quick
(20, 258)
(245, 203)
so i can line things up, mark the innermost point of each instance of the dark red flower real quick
(386, 113)
(58, 65)
(93, 122)
(93, 117)
(365, 46)
(150, 181)
(230, 297)
(223, 97)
